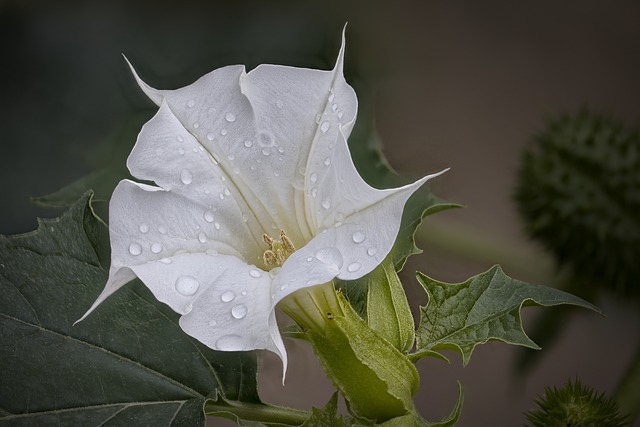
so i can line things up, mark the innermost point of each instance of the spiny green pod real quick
(577, 406)
(579, 192)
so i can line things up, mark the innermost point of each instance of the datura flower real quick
(256, 198)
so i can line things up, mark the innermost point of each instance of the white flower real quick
(236, 156)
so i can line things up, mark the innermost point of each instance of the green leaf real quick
(388, 311)
(328, 416)
(484, 308)
(129, 363)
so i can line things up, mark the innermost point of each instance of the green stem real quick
(256, 412)
(473, 244)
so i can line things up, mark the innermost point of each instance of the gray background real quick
(458, 84)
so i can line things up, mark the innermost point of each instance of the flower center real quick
(279, 250)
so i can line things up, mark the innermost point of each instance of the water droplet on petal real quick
(187, 285)
(283, 287)
(254, 273)
(217, 226)
(338, 224)
(180, 138)
(156, 248)
(245, 217)
(144, 228)
(281, 149)
(314, 192)
(191, 103)
(230, 343)
(331, 97)
(208, 216)
(202, 238)
(186, 177)
(313, 177)
(248, 143)
(230, 117)
(327, 161)
(265, 151)
(276, 173)
(166, 260)
(223, 132)
(210, 136)
(354, 266)
(334, 107)
(239, 311)
(162, 229)
(227, 192)
(309, 259)
(196, 125)
(340, 114)
(212, 323)
(324, 127)
(135, 249)
(359, 237)
(330, 256)
(243, 293)
(371, 251)
(266, 139)
(326, 202)
(228, 296)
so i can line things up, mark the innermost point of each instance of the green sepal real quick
(376, 379)
(484, 308)
(388, 311)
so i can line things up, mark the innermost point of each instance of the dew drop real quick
(326, 202)
(210, 136)
(208, 216)
(228, 296)
(230, 343)
(212, 323)
(331, 97)
(327, 161)
(202, 238)
(166, 260)
(338, 224)
(266, 139)
(334, 107)
(309, 259)
(245, 217)
(283, 287)
(135, 249)
(162, 229)
(239, 311)
(181, 151)
(230, 117)
(187, 285)
(217, 226)
(248, 143)
(330, 256)
(340, 114)
(265, 151)
(371, 251)
(191, 103)
(223, 132)
(243, 293)
(156, 248)
(354, 266)
(186, 177)
(227, 192)
(324, 127)
(276, 173)
(313, 177)
(359, 237)
(196, 125)
(144, 228)
(314, 192)
(180, 138)
(281, 149)
(231, 157)
(254, 273)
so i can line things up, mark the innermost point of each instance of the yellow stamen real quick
(279, 250)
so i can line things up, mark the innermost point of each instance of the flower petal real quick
(260, 126)
(225, 303)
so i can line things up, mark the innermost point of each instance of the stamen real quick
(268, 240)
(269, 258)
(279, 250)
(288, 244)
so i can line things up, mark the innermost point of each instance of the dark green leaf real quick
(126, 364)
(484, 308)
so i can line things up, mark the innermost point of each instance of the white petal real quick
(260, 127)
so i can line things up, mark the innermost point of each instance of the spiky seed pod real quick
(579, 192)
(575, 405)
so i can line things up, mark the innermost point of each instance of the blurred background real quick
(451, 84)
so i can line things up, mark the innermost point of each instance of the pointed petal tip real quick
(153, 94)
